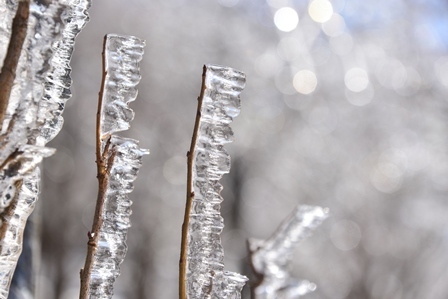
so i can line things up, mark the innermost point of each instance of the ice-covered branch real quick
(22, 144)
(58, 81)
(118, 161)
(270, 258)
(8, 72)
(201, 269)
(13, 219)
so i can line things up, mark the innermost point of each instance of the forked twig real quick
(118, 161)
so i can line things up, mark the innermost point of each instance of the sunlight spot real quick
(305, 82)
(286, 19)
(320, 10)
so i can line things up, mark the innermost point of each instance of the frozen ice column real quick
(20, 153)
(119, 160)
(218, 105)
(270, 258)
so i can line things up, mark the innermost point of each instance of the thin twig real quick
(8, 73)
(190, 196)
(5, 217)
(103, 169)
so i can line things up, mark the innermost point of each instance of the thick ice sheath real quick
(270, 258)
(42, 87)
(122, 159)
(205, 273)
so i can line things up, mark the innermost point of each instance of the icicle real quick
(13, 225)
(205, 273)
(270, 258)
(119, 164)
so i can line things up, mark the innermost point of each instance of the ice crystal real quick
(270, 258)
(123, 156)
(206, 277)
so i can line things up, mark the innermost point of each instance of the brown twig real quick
(104, 162)
(190, 196)
(6, 215)
(8, 73)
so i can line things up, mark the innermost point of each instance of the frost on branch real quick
(206, 277)
(119, 163)
(270, 258)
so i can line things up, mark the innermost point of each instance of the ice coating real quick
(13, 225)
(122, 55)
(7, 11)
(270, 258)
(21, 149)
(206, 277)
(111, 248)
(16, 157)
(43, 29)
(58, 81)
(16, 168)
(121, 159)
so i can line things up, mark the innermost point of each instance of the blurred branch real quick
(270, 258)
(8, 73)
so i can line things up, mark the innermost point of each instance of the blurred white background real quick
(345, 107)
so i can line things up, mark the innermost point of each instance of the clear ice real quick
(122, 54)
(270, 258)
(33, 116)
(15, 218)
(206, 277)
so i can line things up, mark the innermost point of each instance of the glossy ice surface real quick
(122, 55)
(270, 258)
(206, 277)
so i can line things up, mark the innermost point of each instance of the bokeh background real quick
(345, 107)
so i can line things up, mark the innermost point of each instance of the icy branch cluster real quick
(123, 156)
(42, 72)
(206, 277)
(270, 258)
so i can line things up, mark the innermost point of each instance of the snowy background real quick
(345, 107)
